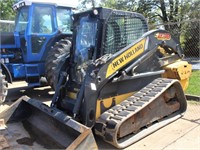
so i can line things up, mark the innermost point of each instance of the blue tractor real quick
(31, 51)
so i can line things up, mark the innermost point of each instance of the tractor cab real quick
(39, 24)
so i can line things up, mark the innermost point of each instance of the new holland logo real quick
(125, 57)
(163, 36)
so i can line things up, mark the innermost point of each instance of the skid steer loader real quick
(120, 81)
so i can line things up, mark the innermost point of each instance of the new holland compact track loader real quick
(120, 80)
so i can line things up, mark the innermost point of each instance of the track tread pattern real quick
(111, 120)
(52, 61)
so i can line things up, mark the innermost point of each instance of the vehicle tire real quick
(3, 87)
(53, 58)
(62, 66)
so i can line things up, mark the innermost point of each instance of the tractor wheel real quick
(62, 67)
(53, 59)
(3, 87)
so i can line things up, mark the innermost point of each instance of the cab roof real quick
(64, 3)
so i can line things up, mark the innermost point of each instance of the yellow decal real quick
(107, 102)
(125, 57)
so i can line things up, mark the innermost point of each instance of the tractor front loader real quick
(120, 80)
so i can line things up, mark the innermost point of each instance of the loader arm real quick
(109, 72)
(132, 55)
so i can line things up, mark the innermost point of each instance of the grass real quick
(194, 84)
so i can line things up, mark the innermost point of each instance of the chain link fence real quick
(7, 25)
(188, 33)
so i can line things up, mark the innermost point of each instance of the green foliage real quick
(193, 87)
(168, 13)
(191, 32)
(161, 11)
(6, 12)
(120, 5)
(87, 4)
(191, 40)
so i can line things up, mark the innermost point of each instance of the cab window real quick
(64, 20)
(42, 21)
(22, 20)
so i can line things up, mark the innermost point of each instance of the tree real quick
(6, 12)
(157, 11)
(87, 4)
(164, 12)
(190, 38)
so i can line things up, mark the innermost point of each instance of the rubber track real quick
(110, 121)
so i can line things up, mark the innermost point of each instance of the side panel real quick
(7, 38)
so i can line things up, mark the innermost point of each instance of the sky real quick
(74, 2)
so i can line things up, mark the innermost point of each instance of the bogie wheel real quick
(3, 87)
(53, 59)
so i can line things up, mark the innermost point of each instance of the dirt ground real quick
(181, 134)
